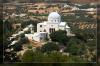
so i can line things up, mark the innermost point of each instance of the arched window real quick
(44, 30)
(40, 25)
(55, 20)
(51, 30)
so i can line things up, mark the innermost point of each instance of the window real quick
(44, 30)
(55, 20)
(32, 37)
(40, 25)
(41, 38)
(51, 30)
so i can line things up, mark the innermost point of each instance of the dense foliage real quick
(59, 36)
(30, 56)
(75, 47)
(50, 46)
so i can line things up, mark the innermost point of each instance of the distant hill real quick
(29, 1)
(83, 1)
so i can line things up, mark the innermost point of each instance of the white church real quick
(54, 23)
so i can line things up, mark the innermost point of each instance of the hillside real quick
(72, 1)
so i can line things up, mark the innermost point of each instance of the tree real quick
(10, 57)
(17, 46)
(7, 28)
(56, 56)
(59, 36)
(84, 35)
(31, 56)
(50, 46)
(28, 56)
(75, 46)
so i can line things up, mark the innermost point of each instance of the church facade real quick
(53, 23)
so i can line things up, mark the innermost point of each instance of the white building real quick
(54, 23)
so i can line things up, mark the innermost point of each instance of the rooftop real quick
(62, 24)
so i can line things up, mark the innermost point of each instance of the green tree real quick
(28, 56)
(57, 57)
(36, 56)
(75, 46)
(50, 46)
(17, 46)
(59, 36)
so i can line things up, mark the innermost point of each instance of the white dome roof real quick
(53, 15)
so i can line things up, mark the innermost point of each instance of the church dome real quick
(54, 17)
